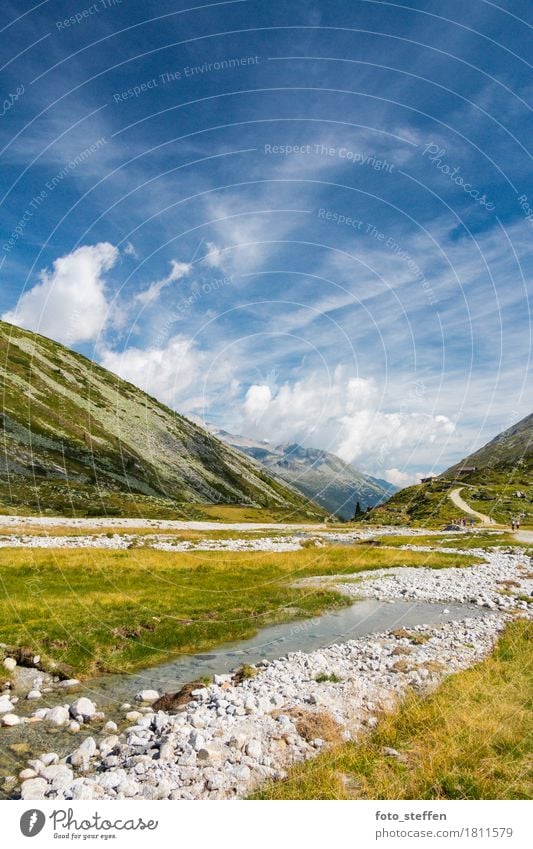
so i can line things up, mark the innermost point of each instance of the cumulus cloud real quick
(178, 373)
(177, 271)
(342, 414)
(401, 479)
(69, 303)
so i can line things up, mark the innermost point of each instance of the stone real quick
(10, 719)
(6, 705)
(69, 683)
(34, 788)
(210, 754)
(54, 771)
(111, 727)
(254, 749)
(57, 715)
(34, 694)
(81, 790)
(83, 707)
(74, 726)
(216, 781)
(41, 713)
(147, 696)
(49, 758)
(133, 715)
(10, 664)
(26, 774)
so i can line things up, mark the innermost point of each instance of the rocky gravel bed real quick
(125, 541)
(503, 582)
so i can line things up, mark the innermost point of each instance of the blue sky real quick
(302, 221)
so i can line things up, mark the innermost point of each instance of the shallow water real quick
(358, 620)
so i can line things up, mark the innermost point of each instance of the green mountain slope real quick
(496, 480)
(320, 476)
(78, 440)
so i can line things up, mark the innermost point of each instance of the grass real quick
(478, 539)
(471, 739)
(100, 610)
(324, 678)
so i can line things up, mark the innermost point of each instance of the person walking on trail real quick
(512, 524)
(517, 524)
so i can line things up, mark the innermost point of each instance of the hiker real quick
(512, 524)
(517, 523)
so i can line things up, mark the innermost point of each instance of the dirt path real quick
(455, 496)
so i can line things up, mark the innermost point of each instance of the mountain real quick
(512, 447)
(496, 480)
(320, 476)
(78, 440)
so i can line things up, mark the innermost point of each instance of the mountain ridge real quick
(320, 475)
(73, 432)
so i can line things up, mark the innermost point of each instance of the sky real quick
(307, 221)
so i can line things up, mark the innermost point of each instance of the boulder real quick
(83, 707)
(57, 715)
(148, 696)
(10, 719)
(34, 788)
(6, 706)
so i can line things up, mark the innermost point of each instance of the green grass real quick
(100, 610)
(463, 541)
(471, 739)
(324, 678)
(489, 491)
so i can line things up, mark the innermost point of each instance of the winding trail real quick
(455, 496)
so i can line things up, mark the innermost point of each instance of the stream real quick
(110, 691)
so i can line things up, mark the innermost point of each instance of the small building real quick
(428, 479)
(466, 470)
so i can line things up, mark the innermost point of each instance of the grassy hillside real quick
(500, 487)
(78, 440)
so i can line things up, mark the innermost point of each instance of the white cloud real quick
(129, 250)
(341, 413)
(177, 271)
(69, 303)
(178, 373)
(402, 479)
(214, 256)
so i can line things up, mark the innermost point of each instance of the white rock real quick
(69, 683)
(110, 727)
(10, 719)
(83, 707)
(133, 715)
(34, 694)
(254, 750)
(34, 788)
(26, 774)
(6, 705)
(10, 664)
(57, 715)
(49, 758)
(147, 696)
